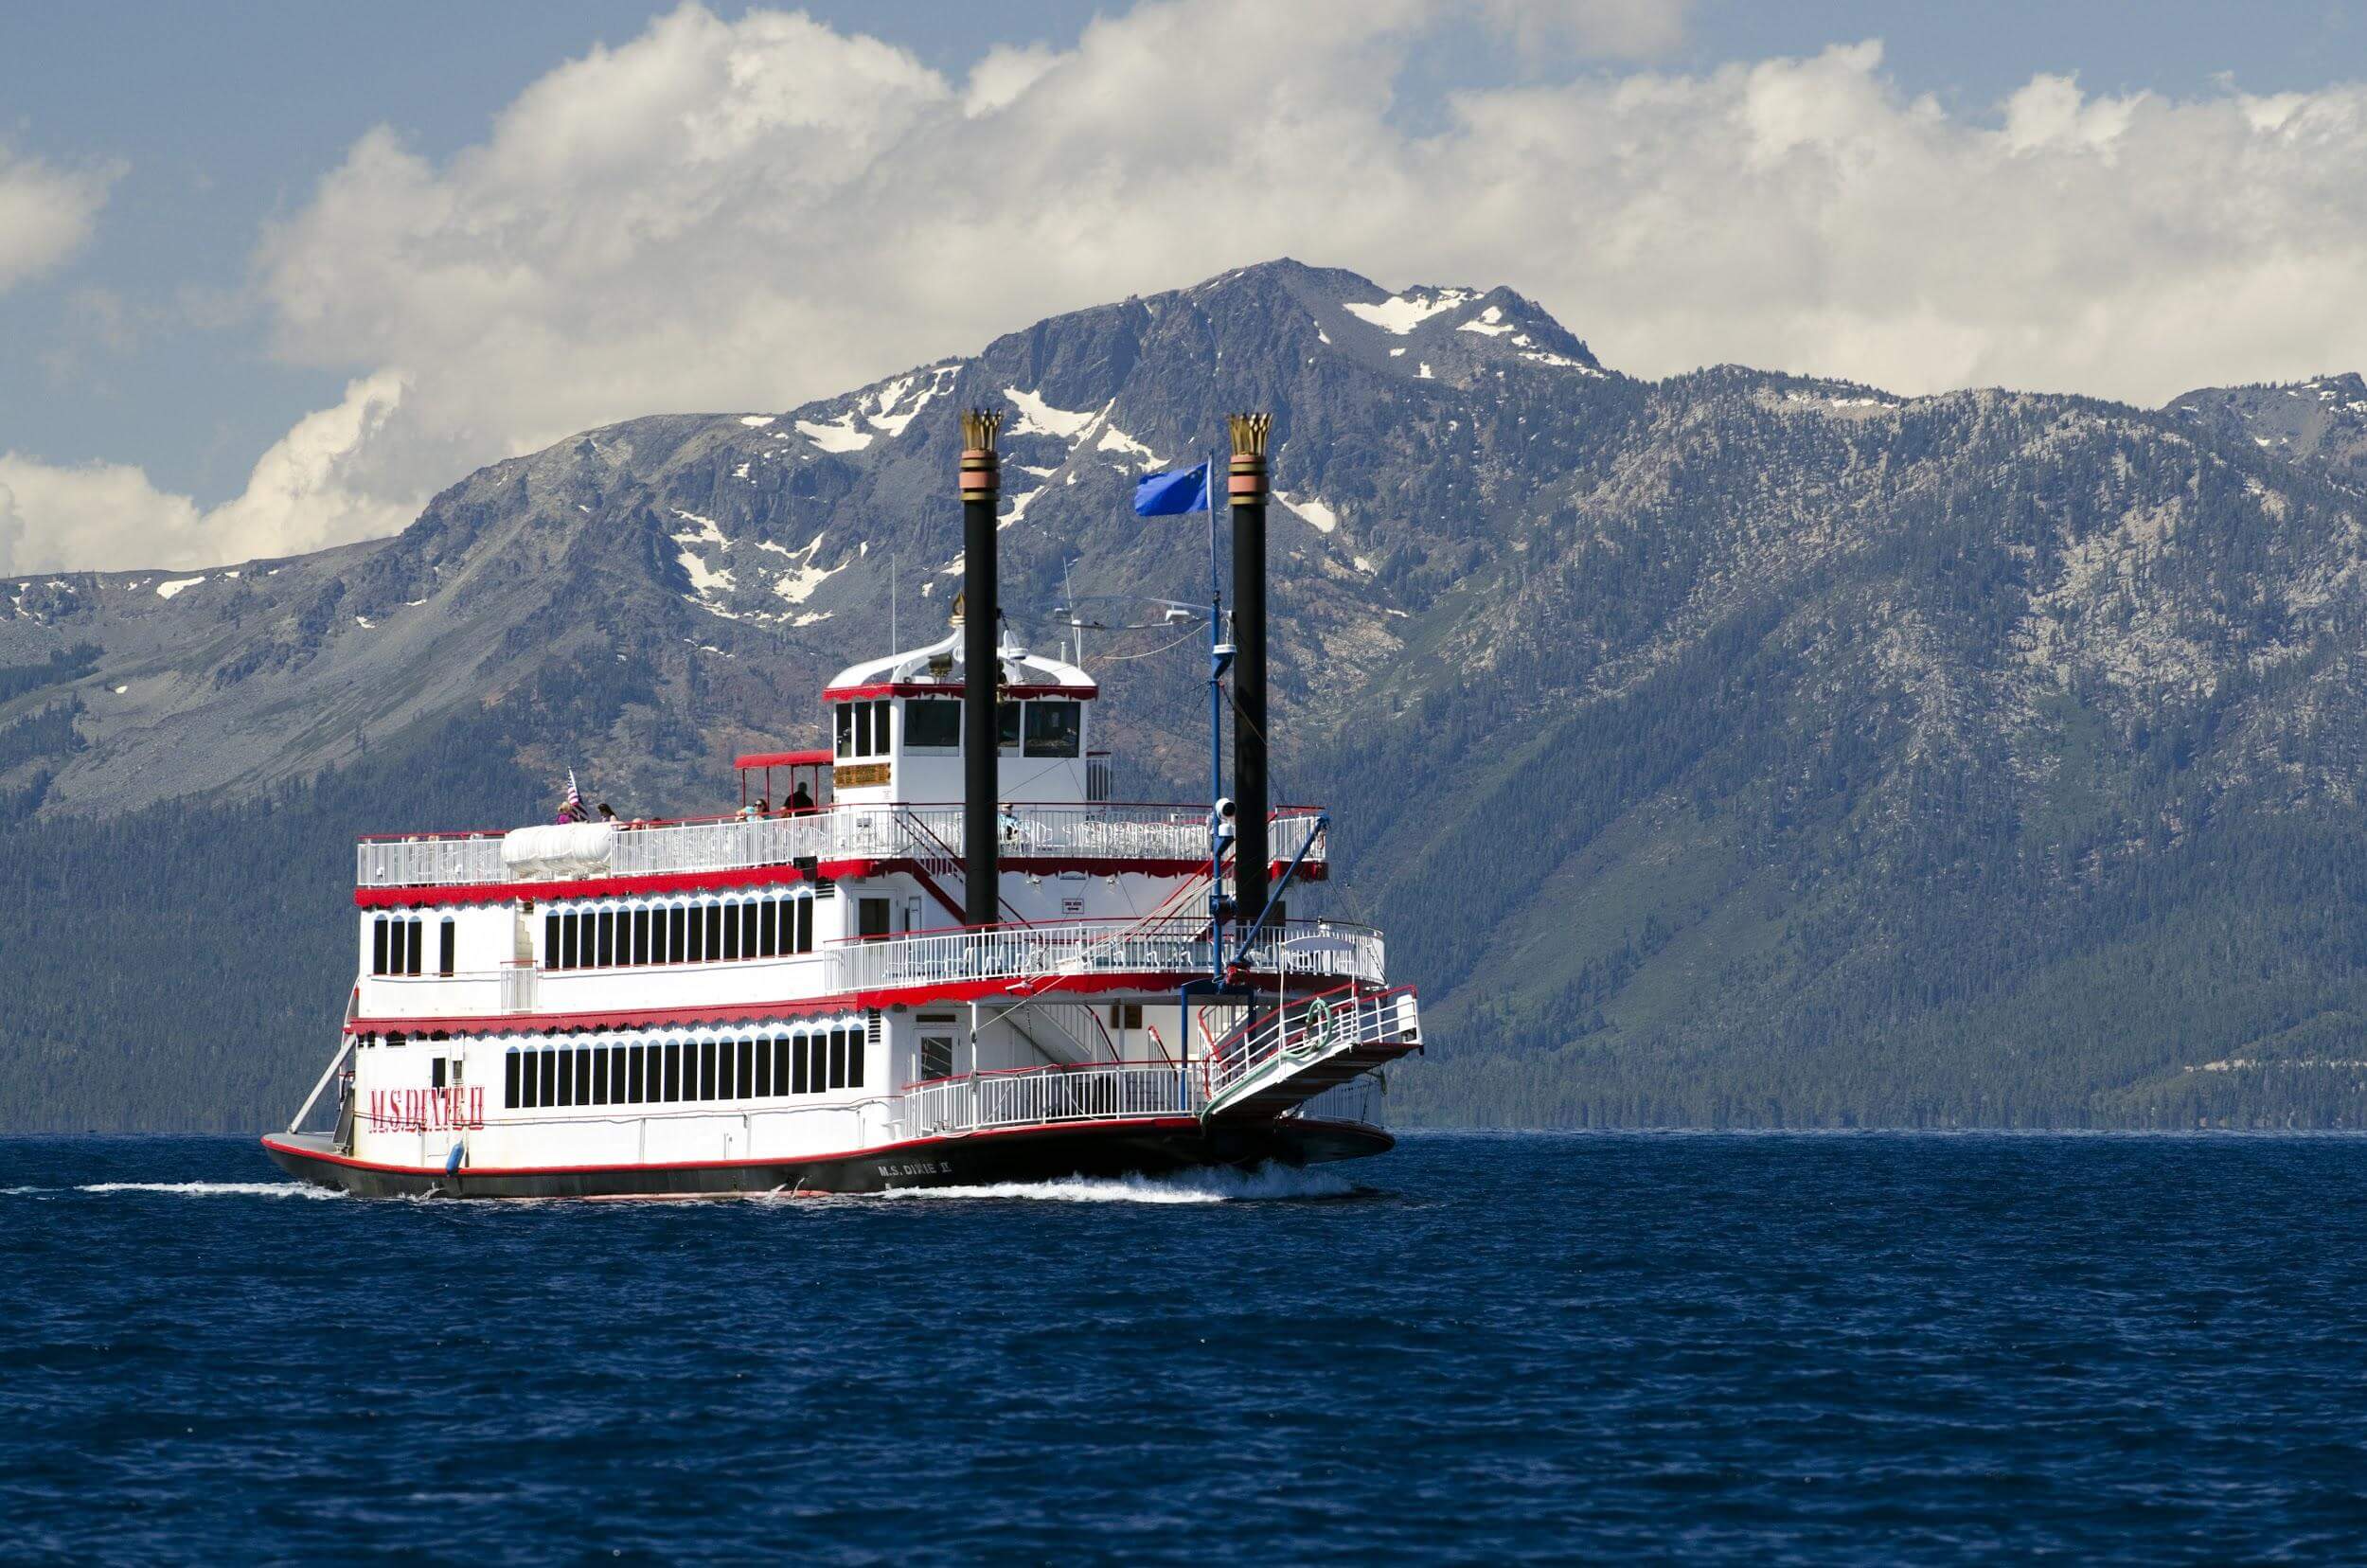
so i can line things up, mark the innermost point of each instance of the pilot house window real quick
(863, 728)
(1052, 729)
(933, 723)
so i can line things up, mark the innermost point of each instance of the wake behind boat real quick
(950, 959)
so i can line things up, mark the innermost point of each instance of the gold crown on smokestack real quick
(981, 472)
(1245, 477)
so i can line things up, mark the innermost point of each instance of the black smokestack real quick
(981, 669)
(1245, 488)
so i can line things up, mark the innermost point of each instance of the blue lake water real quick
(1848, 1349)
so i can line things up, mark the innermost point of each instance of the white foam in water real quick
(1201, 1186)
(218, 1189)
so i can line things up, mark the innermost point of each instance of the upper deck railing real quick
(1099, 831)
(1298, 948)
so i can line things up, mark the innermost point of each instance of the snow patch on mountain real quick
(1039, 417)
(1019, 508)
(176, 586)
(1114, 440)
(1318, 516)
(840, 435)
(758, 421)
(1401, 313)
(1489, 323)
(892, 419)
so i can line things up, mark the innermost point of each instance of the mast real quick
(1245, 489)
(982, 668)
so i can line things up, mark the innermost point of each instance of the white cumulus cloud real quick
(46, 214)
(321, 484)
(736, 214)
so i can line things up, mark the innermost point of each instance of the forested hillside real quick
(1733, 749)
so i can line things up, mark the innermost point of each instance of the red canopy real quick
(783, 759)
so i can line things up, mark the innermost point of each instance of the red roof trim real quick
(810, 758)
(942, 688)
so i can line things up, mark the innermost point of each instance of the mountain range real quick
(1740, 748)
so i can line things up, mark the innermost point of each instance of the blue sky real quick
(280, 205)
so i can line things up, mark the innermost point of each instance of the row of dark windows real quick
(395, 944)
(765, 1066)
(735, 928)
(1049, 727)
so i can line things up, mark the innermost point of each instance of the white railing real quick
(518, 986)
(1305, 1030)
(428, 861)
(1096, 832)
(1319, 949)
(1106, 1092)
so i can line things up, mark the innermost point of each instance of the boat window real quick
(676, 950)
(411, 959)
(599, 1074)
(378, 945)
(726, 1081)
(797, 1063)
(748, 928)
(714, 931)
(936, 1057)
(546, 1092)
(1007, 726)
(768, 928)
(550, 939)
(583, 1075)
(854, 1058)
(633, 1054)
(746, 1078)
(837, 1058)
(435, 1073)
(607, 953)
(731, 929)
(640, 935)
(845, 720)
(673, 1070)
(445, 943)
(933, 723)
(805, 925)
(871, 916)
(763, 1079)
(706, 1069)
(1052, 729)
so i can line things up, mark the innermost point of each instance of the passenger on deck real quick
(755, 808)
(608, 812)
(1009, 824)
(799, 801)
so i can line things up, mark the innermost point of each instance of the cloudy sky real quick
(271, 276)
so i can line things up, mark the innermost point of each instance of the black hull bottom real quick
(1035, 1155)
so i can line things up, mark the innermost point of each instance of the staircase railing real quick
(1305, 1030)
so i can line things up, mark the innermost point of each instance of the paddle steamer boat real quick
(953, 959)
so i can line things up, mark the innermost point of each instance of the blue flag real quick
(1171, 494)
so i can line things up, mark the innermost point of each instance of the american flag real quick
(575, 799)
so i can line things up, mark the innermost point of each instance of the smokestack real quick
(1245, 488)
(982, 669)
